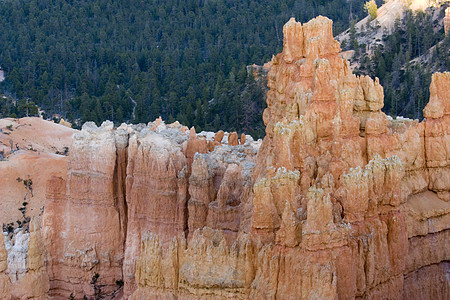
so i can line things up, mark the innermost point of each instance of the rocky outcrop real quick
(156, 190)
(178, 183)
(23, 274)
(204, 266)
(84, 222)
(122, 183)
(35, 282)
(4, 279)
(345, 203)
(40, 155)
(437, 136)
(339, 201)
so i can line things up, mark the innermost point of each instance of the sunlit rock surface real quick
(339, 201)
(346, 201)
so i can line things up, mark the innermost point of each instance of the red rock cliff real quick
(84, 219)
(342, 200)
(339, 201)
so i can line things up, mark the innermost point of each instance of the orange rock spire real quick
(339, 201)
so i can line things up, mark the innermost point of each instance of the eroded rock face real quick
(173, 191)
(23, 274)
(205, 264)
(122, 183)
(5, 282)
(345, 201)
(38, 153)
(218, 187)
(339, 201)
(156, 183)
(84, 223)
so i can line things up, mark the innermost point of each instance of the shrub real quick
(372, 9)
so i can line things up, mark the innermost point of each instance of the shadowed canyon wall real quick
(339, 201)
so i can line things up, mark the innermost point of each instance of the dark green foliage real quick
(9, 228)
(406, 84)
(97, 287)
(94, 278)
(28, 183)
(119, 283)
(136, 60)
(64, 152)
(24, 222)
(17, 109)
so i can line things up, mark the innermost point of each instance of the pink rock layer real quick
(346, 202)
(339, 201)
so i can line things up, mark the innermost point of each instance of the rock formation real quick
(123, 183)
(40, 155)
(23, 274)
(342, 200)
(5, 283)
(156, 185)
(85, 219)
(339, 201)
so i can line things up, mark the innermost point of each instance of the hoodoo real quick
(339, 201)
(343, 196)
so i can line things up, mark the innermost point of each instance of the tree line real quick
(129, 60)
(405, 79)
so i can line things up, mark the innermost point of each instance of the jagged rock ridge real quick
(339, 200)
(339, 188)
(125, 182)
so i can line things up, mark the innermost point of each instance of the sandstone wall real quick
(123, 183)
(346, 203)
(38, 141)
(177, 183)
(156, 193)
(84, 220)
(339, 201)
(23, 273)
